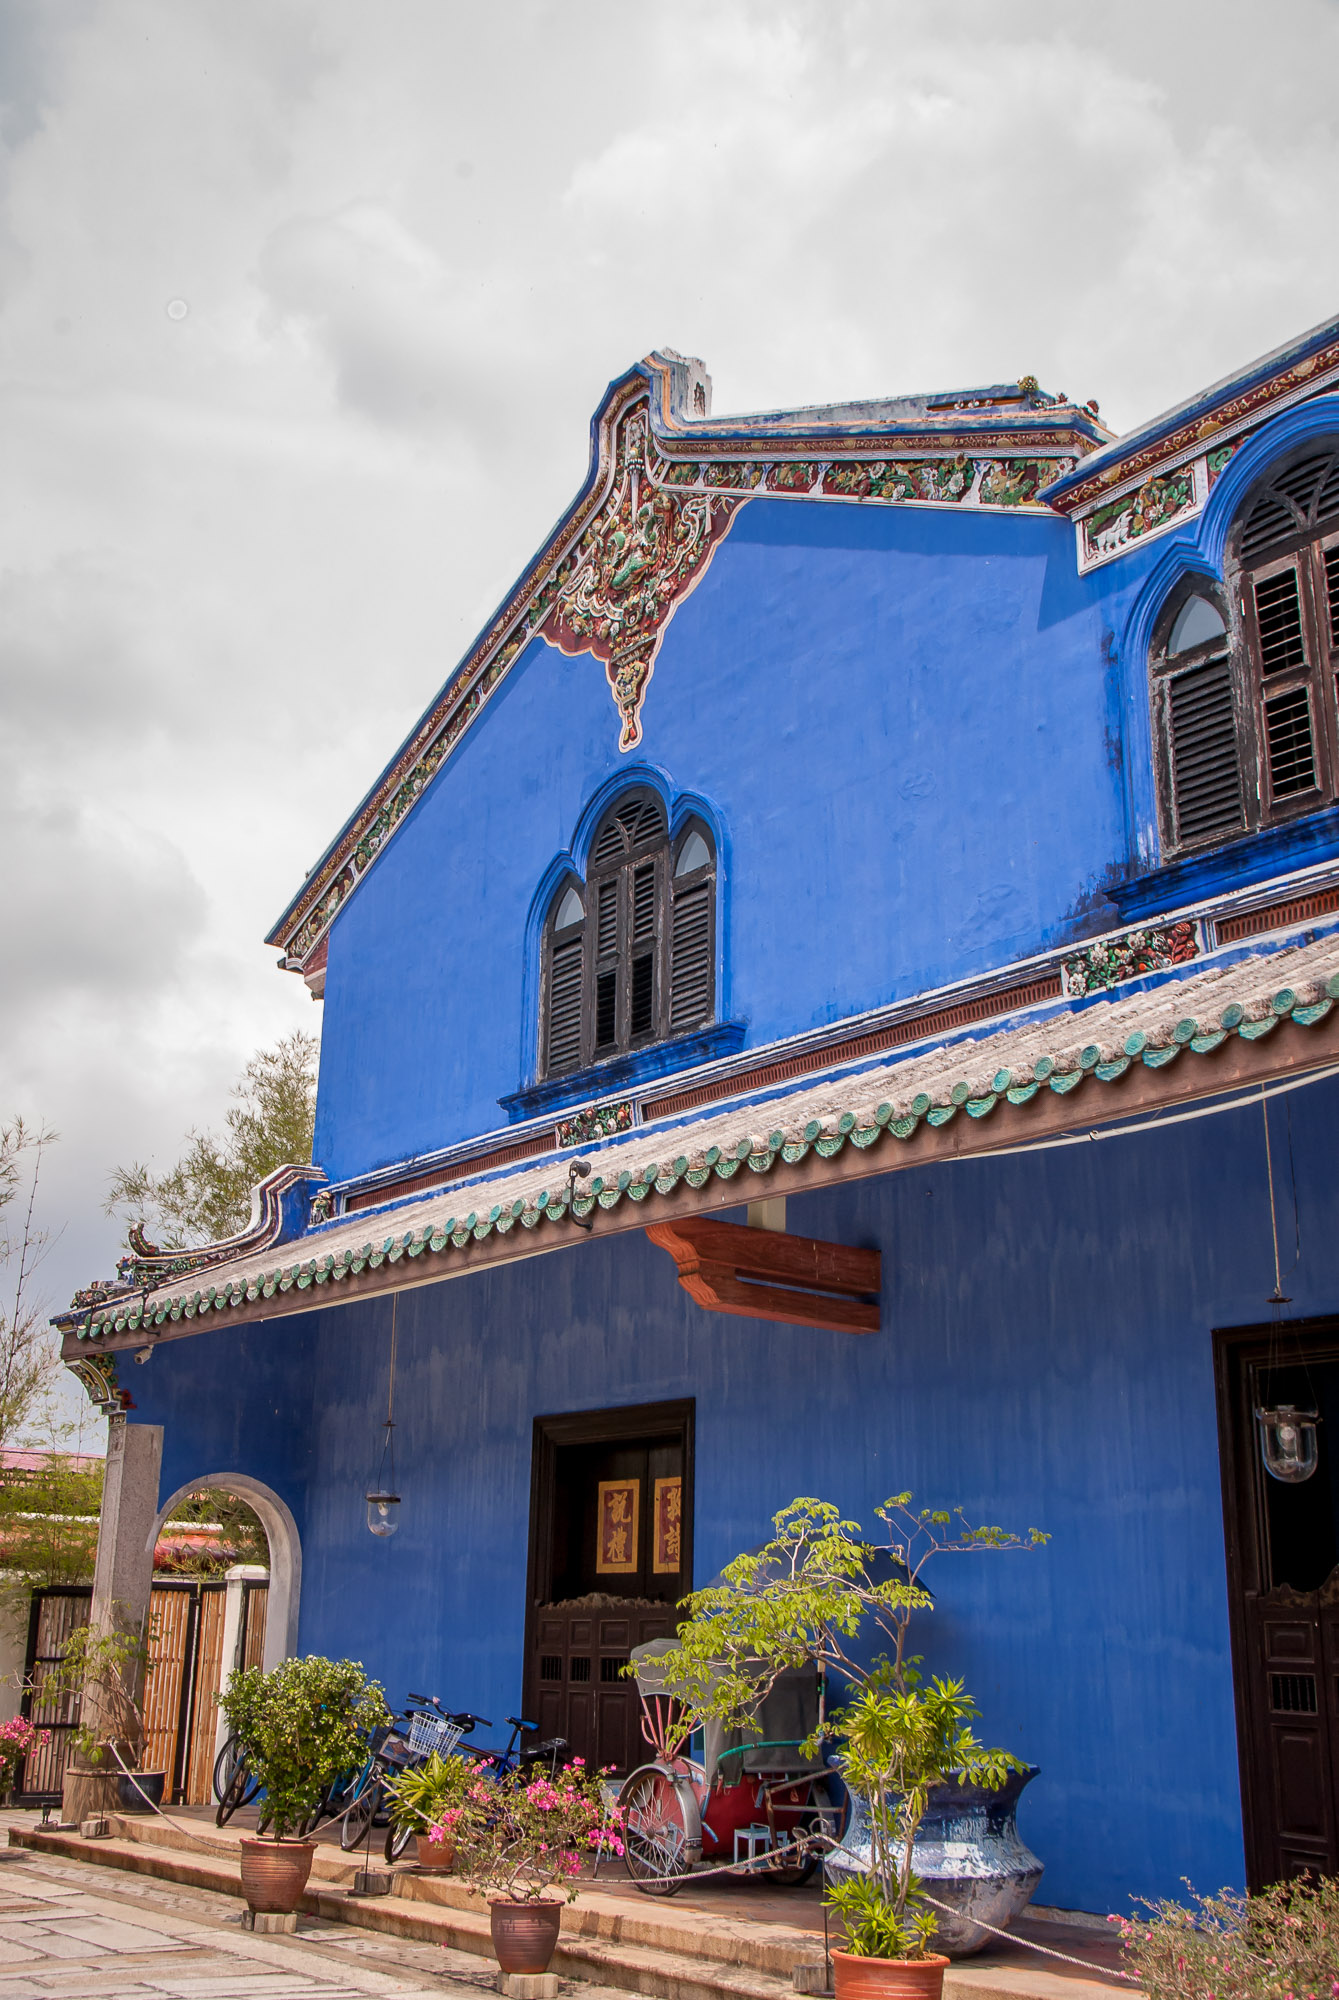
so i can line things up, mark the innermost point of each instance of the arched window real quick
(1287, 550)
(629, 955)
(1246, 697)
(1193, 680)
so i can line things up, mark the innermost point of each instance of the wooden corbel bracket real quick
(766, 1274)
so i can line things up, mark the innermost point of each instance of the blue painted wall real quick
(1045, 1360)
(906, 723)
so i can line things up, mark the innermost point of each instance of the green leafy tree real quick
(28, 1353)
(301, 1726)
(48, 1526)
(207, 1194)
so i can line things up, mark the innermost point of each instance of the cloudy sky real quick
(304, 307)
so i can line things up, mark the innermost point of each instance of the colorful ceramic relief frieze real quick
(600, 1122)
(1158, 501)
(1218, 460)
(1129, 957)
(1304, 377)
(644, 550)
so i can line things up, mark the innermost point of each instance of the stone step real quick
(694, 1956)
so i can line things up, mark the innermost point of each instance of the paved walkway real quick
(68, 1931)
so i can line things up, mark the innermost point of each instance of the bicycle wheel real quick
(397, 1840)
(360, 1813)
(655, 1833)
(234, 1784)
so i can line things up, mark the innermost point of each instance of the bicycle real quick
(235, 1785)
(394, 1749)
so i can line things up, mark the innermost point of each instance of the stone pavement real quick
(69, 1932)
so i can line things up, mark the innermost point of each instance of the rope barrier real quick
(802, 1847)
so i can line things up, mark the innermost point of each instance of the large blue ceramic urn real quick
(968, 1856)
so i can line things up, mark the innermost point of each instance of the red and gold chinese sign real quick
(617, 1525)
(667, 1526)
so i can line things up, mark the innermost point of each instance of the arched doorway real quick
(281, 1531)
(205, 1625)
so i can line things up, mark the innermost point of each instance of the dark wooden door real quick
(1283, 1570)
(610, 1558)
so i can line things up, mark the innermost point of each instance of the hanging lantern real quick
(383, 1502)
(383, 1513)
(1288, 1442)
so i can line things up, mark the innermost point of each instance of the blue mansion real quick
(836, 995)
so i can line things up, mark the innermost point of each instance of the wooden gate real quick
(53, 1616)
(186, 1627)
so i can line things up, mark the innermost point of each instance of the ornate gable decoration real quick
(664, 488)
(645, 549)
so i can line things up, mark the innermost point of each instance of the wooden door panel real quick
(1300, 1787)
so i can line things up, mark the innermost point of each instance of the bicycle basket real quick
(433, 1732)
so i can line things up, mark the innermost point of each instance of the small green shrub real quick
(1280, 1945)
(302, 1725)
(420, 1795)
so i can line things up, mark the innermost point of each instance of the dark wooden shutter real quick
(1206, 776)
(643, 1015)
(1332, 592)
(1289, 742)
(606, 964)
(1278, 611)
(691, 999)
(564, 1036)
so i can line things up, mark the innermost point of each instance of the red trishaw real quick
(748, 1803)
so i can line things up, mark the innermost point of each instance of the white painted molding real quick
(281, 1531)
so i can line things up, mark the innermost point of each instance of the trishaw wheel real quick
(655, 1838)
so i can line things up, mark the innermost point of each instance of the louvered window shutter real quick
(643, 1002)
(1290, 743)
(606, 965)
(634, 961)
(1206, 772)
(564, 1026)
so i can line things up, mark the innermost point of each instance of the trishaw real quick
(745, 1807)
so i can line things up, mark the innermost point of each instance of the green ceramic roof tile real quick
(1011, 1064)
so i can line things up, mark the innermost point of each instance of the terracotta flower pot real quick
(887, 1978)
(274, 1873)
(525, 1935)
(437, 1855)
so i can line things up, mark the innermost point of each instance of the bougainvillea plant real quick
(512, 1843)
(1280, 1945)
(18, 1739)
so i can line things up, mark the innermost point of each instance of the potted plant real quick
(822, 1594)
(418, 1799)
(896, 1745)
(300, 1727)
(515, 1845)
(101, 1670)
(18, 1739)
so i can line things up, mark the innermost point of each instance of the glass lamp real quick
(383, 1514)
(383, 1502)
(1288, 1442)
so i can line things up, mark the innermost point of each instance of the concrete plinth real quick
(371, 1882)
(269, 1921)
(528, 1985)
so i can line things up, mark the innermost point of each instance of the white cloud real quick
(242, 548)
